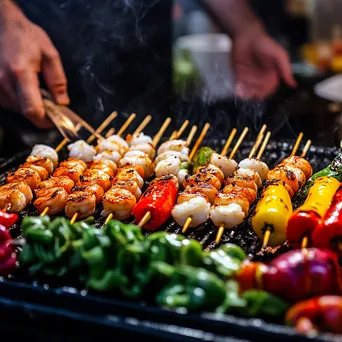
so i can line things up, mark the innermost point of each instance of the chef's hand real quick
(259, 63)
(25, 51)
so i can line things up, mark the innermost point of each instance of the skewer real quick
(74, 218)
(110, 132)
(296, 145)
(182, 129)
(173, 135)
(126, 124)
(198, 142)
(252, 152)
(104, 124)
(264, 144)
(268, 231)
(228, 142)
(223, 152)
(239, 142)
(143, 125)
(155, 142)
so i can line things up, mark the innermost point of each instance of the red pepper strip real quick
(159, 199)
(324, 313)
(301, 224)
(329, 231)
(8, 219)
(7, 255)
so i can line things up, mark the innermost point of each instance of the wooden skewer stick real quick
(126, 124)
(145, 219)
(162, 130)
(255, 146)
(264, 144)
(188, 221)
(266, 238)
(104, 124)
(145, 122)
(182, 129)
(155, 143)
(74, 218)
(306, 148)
(228, 142)
(296, 145)
(110, 132)
(239, 142)
(199, 140)
(173, 135)
(191, 135)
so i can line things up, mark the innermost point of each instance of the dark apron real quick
(116, 54)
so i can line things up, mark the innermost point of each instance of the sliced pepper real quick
(8, 219)
(202, 157)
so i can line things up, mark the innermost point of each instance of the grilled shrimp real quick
(198, 178)
(81, 150)
(21, 186)
(197, 208)
(206, 189)
(28, 176)
(101, 162)
(137, 168)
(92, 189)
(99, 167)
(72, 173)
(211, 170)
(137, 139)
(143, 161)
(13, 200)
(187, 195)
(113, 143)
(74, 163)
(248, 193)
(144, 147)
(248, 173)
(242, 181)
(100, 178)
(109, 155)
(174, 145)
(167, 166)
(81, 202)
(52, 198)
(43, 174)
(119, 202)
(129, 174)
(227, 199)
(60, 182)
(46, 163)
(300, 163)
(283, 173)
(227, 166)
(129, 185)
(229, 215)
(45, 151)
(182, 157)
(256, 165)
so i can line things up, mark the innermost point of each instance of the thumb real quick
(54, 75)
(283, 65)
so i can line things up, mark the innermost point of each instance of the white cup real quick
(211, 54)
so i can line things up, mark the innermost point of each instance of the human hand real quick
(26, 50)
(259, 63)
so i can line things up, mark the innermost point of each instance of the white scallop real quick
(44, 151)
(111, 155)
(182, 157)
(167, 166)
(256, 165)
(227, 215)
(227, 166)
(81, 150)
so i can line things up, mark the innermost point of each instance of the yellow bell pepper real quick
(320, 195)
(272, 213)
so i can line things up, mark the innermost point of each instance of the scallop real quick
(45, 151)
(228, 216)
(196, 208)
(140, 138)
(174, 145)
(256, 165)
(227, 166)
(146, 148)
(167, 166)
(115, 156)
(182, 157)
(81, 150)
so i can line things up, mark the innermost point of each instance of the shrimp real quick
(248, 193)
(227, 199)
(242, 181)
(46, 163)
(93, 189)
(206, 189)
(43, 174)
(81, 202)
(81, 150)
(129, 174)
(13, 200)
(255, 164)
(109, 155)
(119, 202)
(100, 167)
(74, 163)
(146, 148)
(137, 139)
(72, 173)
(52, 198)
(61, 182)
(21, 186)
(182, 157)
(198, 178)
(28, 176)
(248, 173)
(300, 163)
(100, 178)
(167, 166)
(129, 185)
(211, 170)
(174, 145)
(109, 163)
(143, 161)
(283, 173)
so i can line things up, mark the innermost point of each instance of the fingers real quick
(283, 65)
(28, 92)
(54, 73)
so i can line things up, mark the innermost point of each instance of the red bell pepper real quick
(329, 232)
(8, 219)
(159, 199)
(7, 253)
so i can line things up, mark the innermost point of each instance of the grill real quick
(51, 294)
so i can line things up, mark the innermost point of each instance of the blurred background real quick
(310, 30)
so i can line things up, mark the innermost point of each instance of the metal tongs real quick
(67, 122)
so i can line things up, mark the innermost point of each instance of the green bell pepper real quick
(192, 289)
(233, 303)
(202, 157)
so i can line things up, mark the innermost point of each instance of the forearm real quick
(9, 10)
(234, 16)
